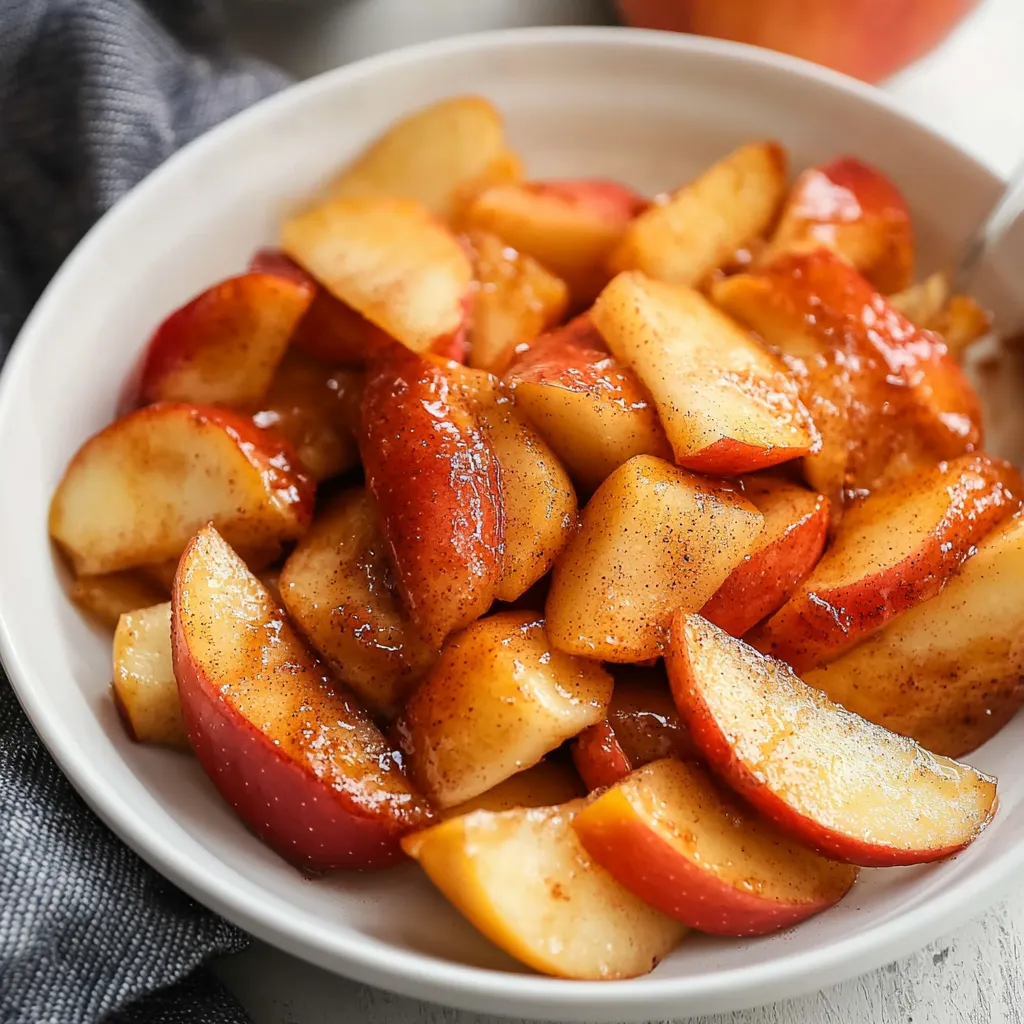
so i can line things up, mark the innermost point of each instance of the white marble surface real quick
(972, 89)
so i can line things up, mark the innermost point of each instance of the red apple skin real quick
(322, 828)
(599, 758)
(869, 39)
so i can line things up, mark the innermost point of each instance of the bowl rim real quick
(373, 960)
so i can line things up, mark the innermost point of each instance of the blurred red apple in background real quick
(869, 39)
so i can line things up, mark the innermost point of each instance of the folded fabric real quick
(93, 95)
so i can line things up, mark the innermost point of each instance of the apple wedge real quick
(703, 224)
(497, 701)
(433, 473)
(390, 261)
(893, 550)
(726, 403)
(516, 300)
(299, 762)
(224, 346)
(947, 672)
(653, 538)
(145, 690)
(523, 878)
(136, 492)
(787, 549)
(642, 726)
(538, 503)
(846, 787)
(570, 227)
(593, 411)
(696, 853)
(336, 586)
(106, 598)
(315, 406)
(431, 156)
(853, 209)
(546, 784)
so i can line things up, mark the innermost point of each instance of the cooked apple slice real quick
(538, 503)
(725, 402)
(848, 788)
(546, 784)
(893, 550)
(642, 726)
(390, 261)
(857, 212)
(433, 473)
(948, 672)
(516, 300)
(300, 763)
(886, 397)
(145, 690)
(593, 411)
(702, 225)
(137, 491)
(225, 344)
(315, 406)
(499, 699)
(430, 156)
(787, 549)
(961, 323)
(106, 598)
(523, 878)
(653, 538)
(337, 587)
(922, 302)
(570, 227)
(695, 852)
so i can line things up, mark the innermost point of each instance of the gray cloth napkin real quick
(93, 95)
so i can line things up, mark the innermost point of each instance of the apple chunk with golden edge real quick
(947, 673)
(145, 690)
(591, 409)
(499, 699)
(848, 788)
(432, 472)
(106, 598)
(390, 261)
(337, 587)
(300, 763)
(726, 403)
(136, 492)
(700, 226)
(432, 155)
(224, 345)
(893, 550)
(653, 538)
(672, 837)
(545, 784)
(523, 878)
(786, 550)
(857, 212)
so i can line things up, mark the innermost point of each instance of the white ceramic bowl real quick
(649, 109)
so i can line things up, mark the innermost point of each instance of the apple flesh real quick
(787, 549)
(136, 492)
(682, 844)
(846, 787)
(653, 538)
(546, 784)
(145, 690)
(433, 473)
(498, 700)
(106, 598)
(702, 225)
(591, 409)
(523, 878)
(297, 759)
(337, 587)
(857, 212)
(893, 550)
(725, 402)
(224, 346)
(947, 672)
